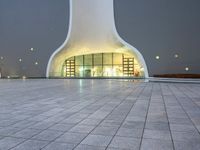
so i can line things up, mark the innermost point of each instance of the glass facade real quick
(101, 65)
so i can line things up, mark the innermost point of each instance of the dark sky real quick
(154, 27)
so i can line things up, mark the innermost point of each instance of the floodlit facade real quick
(93, 47)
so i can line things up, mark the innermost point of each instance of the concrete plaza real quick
(88, 114)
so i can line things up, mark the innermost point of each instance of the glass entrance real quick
(102, 65)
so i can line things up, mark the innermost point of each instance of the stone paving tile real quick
(183, 128)
(185, 136)
(41, 125)
(111, 148)
(105, 130)
(86, 114)
(23, 124)
(82, 128)
(89, 147)
(125, 143)
(97, 140)
(70, 137)
(47, 135)
(128, 132)
(110, 123)
(135, 118)
(187, 145)
(8, 131)
(9, 142)
(133, 124)
(61, 127)
(31, 145)
(157, 126)
(59, 146)
(26, 133)
(155, 144)
(72, 120)
(180, 121)
(7, 122)
(90, 122)
(157, 134)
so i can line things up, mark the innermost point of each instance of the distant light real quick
(1, 57)
(157, 57)
(32, 49)
(176, 56)
(187, 69)
(23, 77)
(20, 60)
(36, 63)
(8, 77)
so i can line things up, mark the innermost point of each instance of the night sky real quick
(155, 27)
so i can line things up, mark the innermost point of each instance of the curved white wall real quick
(91, 30)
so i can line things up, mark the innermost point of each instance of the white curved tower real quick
(93, 47)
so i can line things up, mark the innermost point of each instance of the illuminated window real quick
(79, 60)
(88, 60)
(98, 59)
(107, 58)
(117, 58)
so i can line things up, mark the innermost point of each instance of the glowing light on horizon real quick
(157, 57)
(176, 56)
(187, 69)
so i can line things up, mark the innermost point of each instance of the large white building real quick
(93, 47)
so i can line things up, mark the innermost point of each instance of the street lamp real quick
(157, 57)
(20, 60)
(32, 49)
(20, 66)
